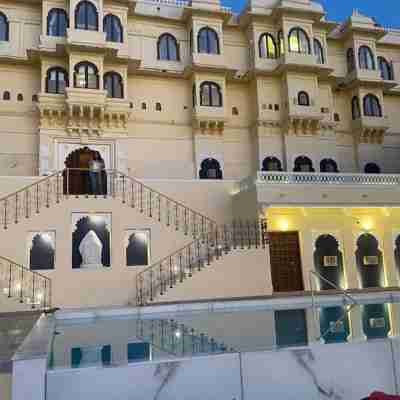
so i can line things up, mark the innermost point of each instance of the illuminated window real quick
(299, 41)
(267, 46)
(366, 58)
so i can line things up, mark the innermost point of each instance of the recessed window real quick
(372, 107)
(6, 96)
(366, 58)
(86, 76)
(207, 41)
(114, 86)
(303, 164)
(210, 169)
(271, 164)
(276, 106)
(56, 80)
(57, 22)
(319, 52)
(299, 41)
(4, 28)
(113, 28)
(372, 168)
(329, 166)
(386, 69)
(303, 99)
(267, 46)
(235, 111)
(336, 117)
(167, 48)
(144, 106)
(350, 60)
(158, 107)
(86, 16)
(210, 94)
(20, 97)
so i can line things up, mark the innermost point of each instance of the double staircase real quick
(210, 241)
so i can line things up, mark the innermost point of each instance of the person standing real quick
(95, 167)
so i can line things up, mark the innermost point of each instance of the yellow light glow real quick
(367, 224)
(283, 225)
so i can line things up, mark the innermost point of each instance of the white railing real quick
(303, 178)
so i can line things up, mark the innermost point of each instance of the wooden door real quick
(285, 261)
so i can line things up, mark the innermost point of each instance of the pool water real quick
(118, 341)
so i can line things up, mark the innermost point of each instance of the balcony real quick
(323, 189)
(207, 62)
(301, 62)
(52, 111)
(80, 39)
(359, 77)
(370, 130)
(302, 120)
(209, 120)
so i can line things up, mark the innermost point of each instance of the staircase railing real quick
(165, 274)
(148, 201)
(27, 286)
(31, 200)
(353, 302)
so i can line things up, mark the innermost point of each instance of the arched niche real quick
(369, 261)
(77, 163)
(137, 248)
(100, 226)
(42, 251)
(376, 321)
(328, 262)
(210, 168)
(397, 254)
(334, 324)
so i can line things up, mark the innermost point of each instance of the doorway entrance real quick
(78, 181)
(285, 259)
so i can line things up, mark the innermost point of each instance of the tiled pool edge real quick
(30, 361)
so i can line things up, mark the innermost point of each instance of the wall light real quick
(367, 224)
(283, 225)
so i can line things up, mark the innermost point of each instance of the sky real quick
(387, 12)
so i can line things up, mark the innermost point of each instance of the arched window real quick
(372, 168)
(271, 164)
(4, 28)
(303, 99)
(319, 52)
(114, 86)
(355, 108)
(194, 96)
(267, 46)
(281, 43)
(372, 107)
(210, 95)
(350, 60)
(86, 76)
(303, 164)
(167, 48)
(210, 169)
(235, 111)
(86, 16)
(113, 28)
(366, 58)
(57, 22)
(20, 97)
(328, 165)
(158, 107)
(207, 41)
(56, 80)
(6, 96)
(299, 41)
(386, 69)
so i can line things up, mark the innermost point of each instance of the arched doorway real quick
(77, 181)
(369, 261)
(328, 261)
(271, 164)
(210, 169)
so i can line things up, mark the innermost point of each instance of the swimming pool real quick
(163, 336)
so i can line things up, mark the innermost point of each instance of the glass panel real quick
(205, 95)
(117, 30)
(173, 54)
(203, 42)
(213, 42)
(92, 81)
(163, 48)
(294, 42)
(117, 87)
(271, 48)
(3, 28)
(216, 100)
(91, 18)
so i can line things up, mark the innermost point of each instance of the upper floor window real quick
(372, 168)
(319, 52)
(372, 106)
(355, 108)
(210, 169)
(366, 58)
(271, 164)
(113, 28)
(167, 48)
(299, 41)
(350, 60)
(281, 43)
(4, 28)
(56, 80)
(267, 46)
(303, 164)
(86, 76)
(303, 99)
(207, 41)
(210, 95)
(113, 84)
(328, 165)
(57, 22)
(86, 16)
(386, 69)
